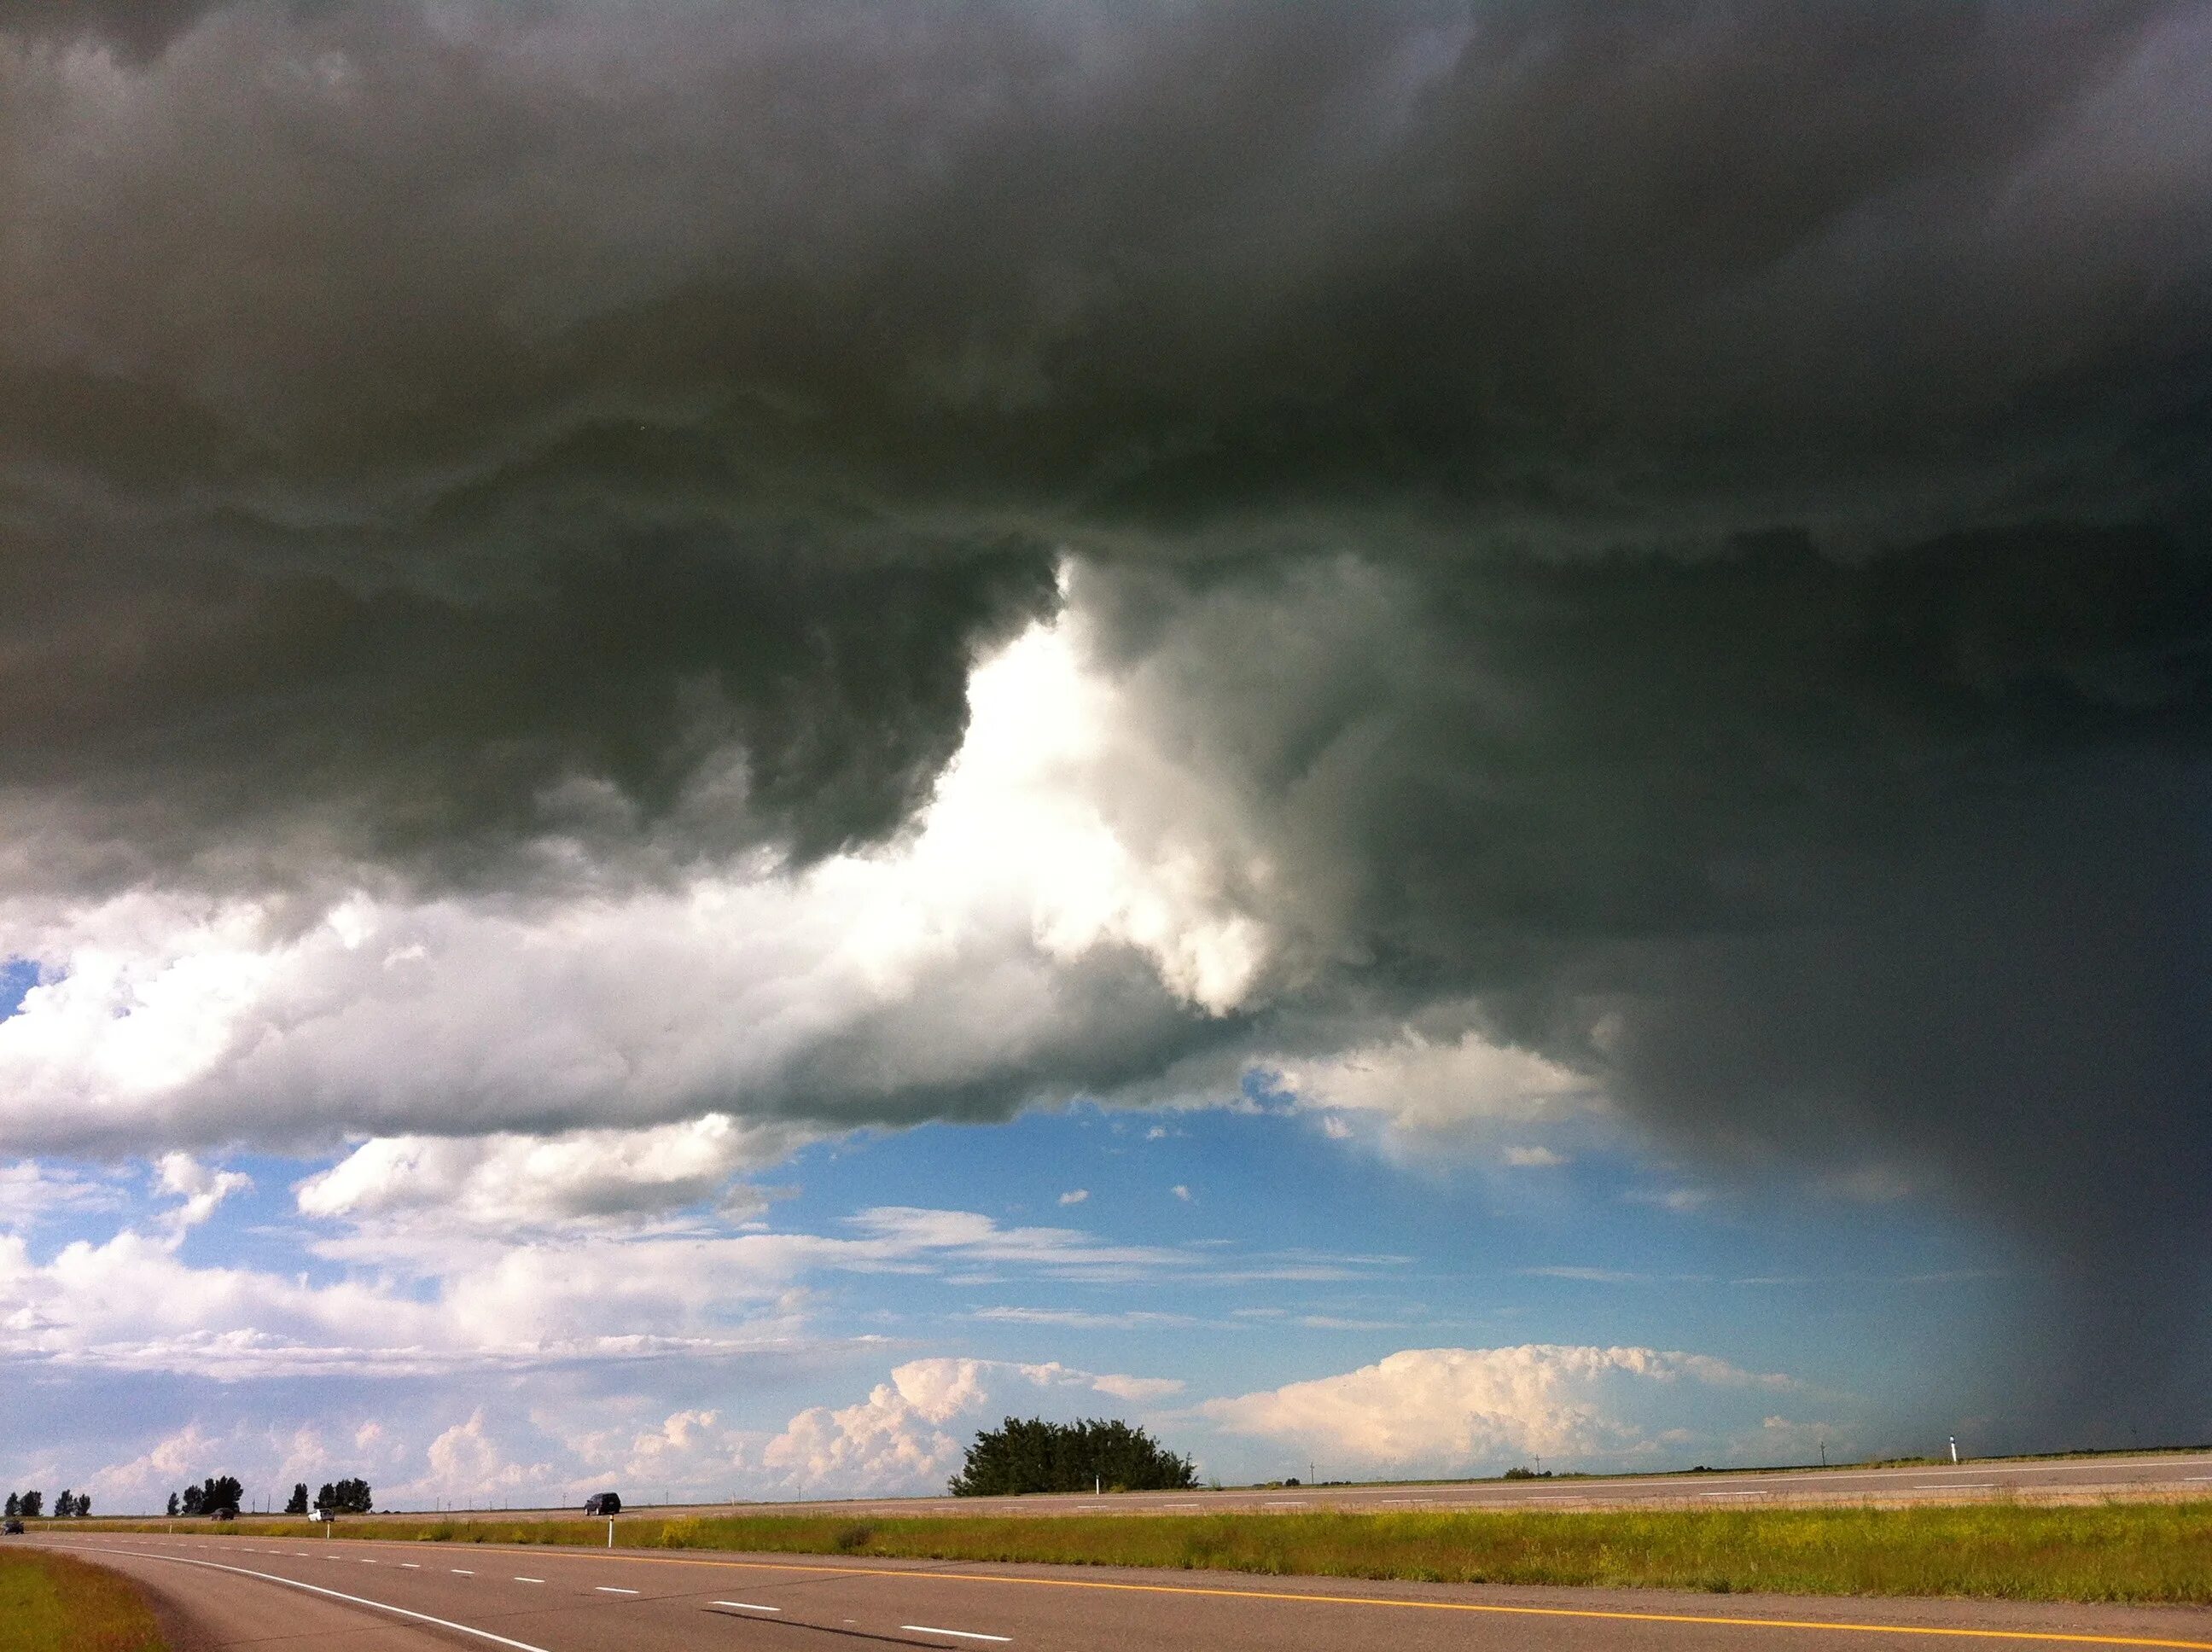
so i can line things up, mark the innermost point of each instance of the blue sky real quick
(1290, 1255)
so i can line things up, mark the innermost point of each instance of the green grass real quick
(2157, 1553)
(54, 1603)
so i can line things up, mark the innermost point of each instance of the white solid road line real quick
(745, 1606)
(609, 1588)
(957, 1634)
(350, 1599)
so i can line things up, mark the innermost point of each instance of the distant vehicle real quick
(318, 1514)
(13, 1527)
(602, 1502)
(224, 1514)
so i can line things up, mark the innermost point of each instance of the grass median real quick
(54, 1603)
(2145, 1552)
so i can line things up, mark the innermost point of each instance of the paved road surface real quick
(409, 1597)
(2072, 1479)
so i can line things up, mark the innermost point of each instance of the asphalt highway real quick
(366, 1596)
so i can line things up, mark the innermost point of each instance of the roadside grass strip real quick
(2119, 1553)
(55, 1603)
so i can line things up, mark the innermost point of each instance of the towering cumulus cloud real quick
(668, 579)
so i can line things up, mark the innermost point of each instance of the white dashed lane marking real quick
(351, 1600)
(746, 1605)
(957, 1634)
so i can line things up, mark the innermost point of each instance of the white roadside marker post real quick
(1954, 1451)
(610, 1531)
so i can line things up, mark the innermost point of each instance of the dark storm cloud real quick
(1685, 524)
(368, 342)
(1806, 859)
(137, 29)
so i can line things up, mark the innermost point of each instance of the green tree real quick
(66, 1504)
(30, 1504)
(193, 1508)
(83, 1504)
(298, 1502)
(1037, 1455)
(173, 1505)
(15, 1506)
(352, 1498)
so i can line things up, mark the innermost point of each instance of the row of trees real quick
(347, 1497)
(29, 1505)
(1041, 1456)
(337, 1497)
(216, 1492)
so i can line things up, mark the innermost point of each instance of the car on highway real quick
(602, 1502)
(224, 1514)
(13, 1527)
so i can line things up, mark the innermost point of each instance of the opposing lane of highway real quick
(2076, 1479)
(2156, 1474)
(409, 1595)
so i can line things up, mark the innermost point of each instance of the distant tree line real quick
(210, 1497)
(1041, 1456)
(222, 1491)
(30, 1505)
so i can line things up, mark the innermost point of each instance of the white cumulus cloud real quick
(910, 1433)
(505, 1181)
(1457, 1408)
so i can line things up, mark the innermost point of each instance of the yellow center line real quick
(1292, 1596)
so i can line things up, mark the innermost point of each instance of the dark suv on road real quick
(602, 1502)
(13, 1527)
